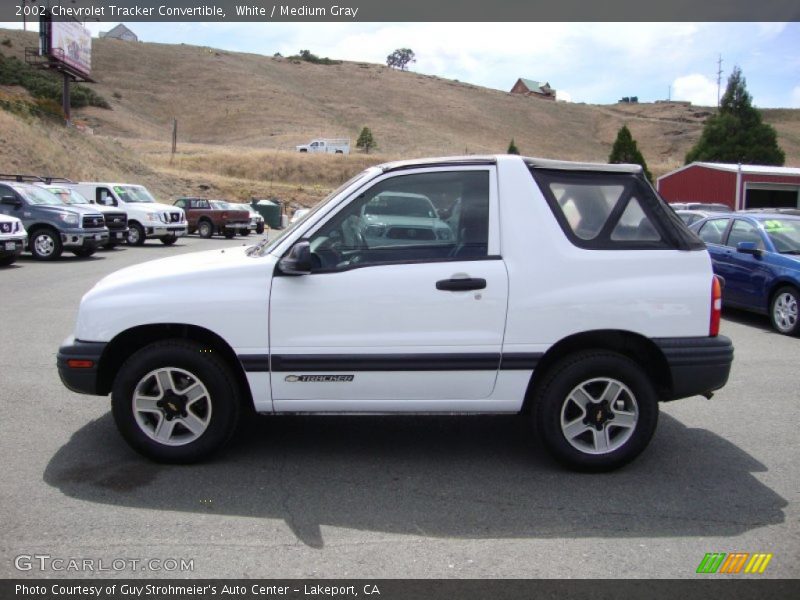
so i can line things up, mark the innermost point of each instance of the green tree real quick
(625, 150)
(365, 140)
(512, 148)
(400, 58)
(736, 134)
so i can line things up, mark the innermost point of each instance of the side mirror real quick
(298, 261)
(748, 248)
(11, 201)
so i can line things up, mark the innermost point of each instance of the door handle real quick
(460, 285)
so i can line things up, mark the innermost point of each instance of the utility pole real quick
(174, 138)
(669, 94)
(719, 78)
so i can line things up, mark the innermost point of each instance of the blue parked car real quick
(758, 255)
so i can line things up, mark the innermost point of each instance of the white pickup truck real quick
(334, 146)
(147, 218)
(566, 292)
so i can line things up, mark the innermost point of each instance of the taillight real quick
(716, 306)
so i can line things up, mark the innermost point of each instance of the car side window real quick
(744, 231)
(423, 217)
(180, 203)
(712, 231)
(103, 196)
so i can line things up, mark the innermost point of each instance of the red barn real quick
(738, 186)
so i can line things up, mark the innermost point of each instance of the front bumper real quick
(159, 231)
(697, 365)
(84, 239)
(119, 236)
(12, 246)
(77, 363)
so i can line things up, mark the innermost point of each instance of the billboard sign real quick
(71, 45)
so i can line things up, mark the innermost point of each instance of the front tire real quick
(783, 311)
(595, 411)
(83, 252)
(45, 244)
(7, 261)
(136, 235)
(168, 240)
(175, 401)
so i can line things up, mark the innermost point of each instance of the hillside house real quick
(120, 32)
(537, 89)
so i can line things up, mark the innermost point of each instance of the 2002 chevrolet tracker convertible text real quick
(565, 291)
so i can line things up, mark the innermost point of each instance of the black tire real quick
(45, 244)
(205, 229)
(110, 245)
(244, 232)
(8, 260)
(784, 311)
(593, 372)
(203, 365)
(168, 240)
(83, 252)
(136, 235)
(229, 234)
(260, 229)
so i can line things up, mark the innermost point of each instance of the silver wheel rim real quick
(171, 406)
(205, 229)
(44, 244)
(133, 235)
(599, 416)
(784, 312)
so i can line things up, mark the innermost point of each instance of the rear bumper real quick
(80, 379)
(698, 365)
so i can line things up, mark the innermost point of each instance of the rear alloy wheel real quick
(83, 252)
(205, 229)
(45, 244)
(783, 311)
(175, 401)
(136, 236)
(168, 240)
(596, 411)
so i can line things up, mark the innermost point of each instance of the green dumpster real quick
(270, 210)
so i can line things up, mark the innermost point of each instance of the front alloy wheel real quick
(45, 244)
(784, 311)
(175, 401)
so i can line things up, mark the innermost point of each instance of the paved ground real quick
(371, 497)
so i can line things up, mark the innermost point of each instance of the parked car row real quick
(757, 254)
(48, 215)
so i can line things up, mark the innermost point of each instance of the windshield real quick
(266, 245)
(133, 193)
(68, 195)
(785, 234)
(221, 205)
(36, 195)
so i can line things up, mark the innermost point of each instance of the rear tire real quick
(176, 402)
(205, 229)
(595, 410)
(783, 311)
(244, 232)
(45, 244)
(136, 235)
(229, 234)
(260, 229)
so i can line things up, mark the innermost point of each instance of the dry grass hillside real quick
(240, 115)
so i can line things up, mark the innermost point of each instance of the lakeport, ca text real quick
(202, 591)
(210, 11)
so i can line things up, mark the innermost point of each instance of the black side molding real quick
(698, 365)
(81, 380)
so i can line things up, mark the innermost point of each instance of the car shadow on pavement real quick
(751, 319)
(464, 477)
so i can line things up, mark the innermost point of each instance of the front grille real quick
(116, 220)
(175, 217)
(93, 222)
(410, 233)
(6, 227)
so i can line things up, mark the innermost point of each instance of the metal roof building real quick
(738, 186)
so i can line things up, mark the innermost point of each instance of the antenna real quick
(719, 77)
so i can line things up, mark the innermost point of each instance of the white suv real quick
(566, 292)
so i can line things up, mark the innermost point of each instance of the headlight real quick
(152, 217)
(69, 219)
(443, 234)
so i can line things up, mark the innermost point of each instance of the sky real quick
(585, 62)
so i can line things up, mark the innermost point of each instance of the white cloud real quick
(794, 102)
(697, 89)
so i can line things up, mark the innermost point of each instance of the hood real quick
(73, 209)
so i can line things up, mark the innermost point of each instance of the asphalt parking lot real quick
(467, 497)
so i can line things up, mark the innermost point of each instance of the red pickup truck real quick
(204, 218)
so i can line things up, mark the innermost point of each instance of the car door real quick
(746, 273)
(713, 232)
(399, 313)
